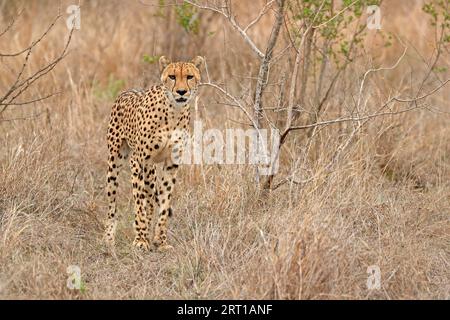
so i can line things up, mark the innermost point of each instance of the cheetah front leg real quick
(141, 221)
(163, 195)
(150, 182)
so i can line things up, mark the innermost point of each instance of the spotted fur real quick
(144, 127)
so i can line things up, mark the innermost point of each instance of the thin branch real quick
(260, 15)
(18, 88)
(366, 74)
(233, 23)
(31, 101)
(336, 15)
(11, 24)
(350, 119)
(34, 116)
(237, 103)
(374, 115)
(35, 42)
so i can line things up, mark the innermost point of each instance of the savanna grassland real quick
(385, 201)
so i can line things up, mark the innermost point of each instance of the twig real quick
(31, 101)
(34, 43)
(11, 24)
(233, 23)
(336, 15)
(18, 88)
(260, 15)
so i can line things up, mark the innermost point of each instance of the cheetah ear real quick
(163, 63)
(198, 61)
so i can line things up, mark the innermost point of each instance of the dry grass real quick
(386, 204)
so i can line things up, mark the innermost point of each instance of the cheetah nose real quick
(181, 92)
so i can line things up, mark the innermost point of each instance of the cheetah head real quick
(180, 79)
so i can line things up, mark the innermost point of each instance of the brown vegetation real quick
(386, 202)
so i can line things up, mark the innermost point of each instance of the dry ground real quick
(387, 204)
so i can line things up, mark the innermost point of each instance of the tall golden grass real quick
(386, 204)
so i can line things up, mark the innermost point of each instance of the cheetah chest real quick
(172, 139)
(165, 152)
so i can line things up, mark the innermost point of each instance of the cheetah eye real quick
(189, 77)
(172, 77)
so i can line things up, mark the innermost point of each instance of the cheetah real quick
(144, 126)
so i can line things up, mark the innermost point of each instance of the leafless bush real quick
(24, 78)
(321, 29)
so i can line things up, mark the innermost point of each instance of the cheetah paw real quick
(164, 248)
(109, 241)
(141, 244)
(160, 247)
